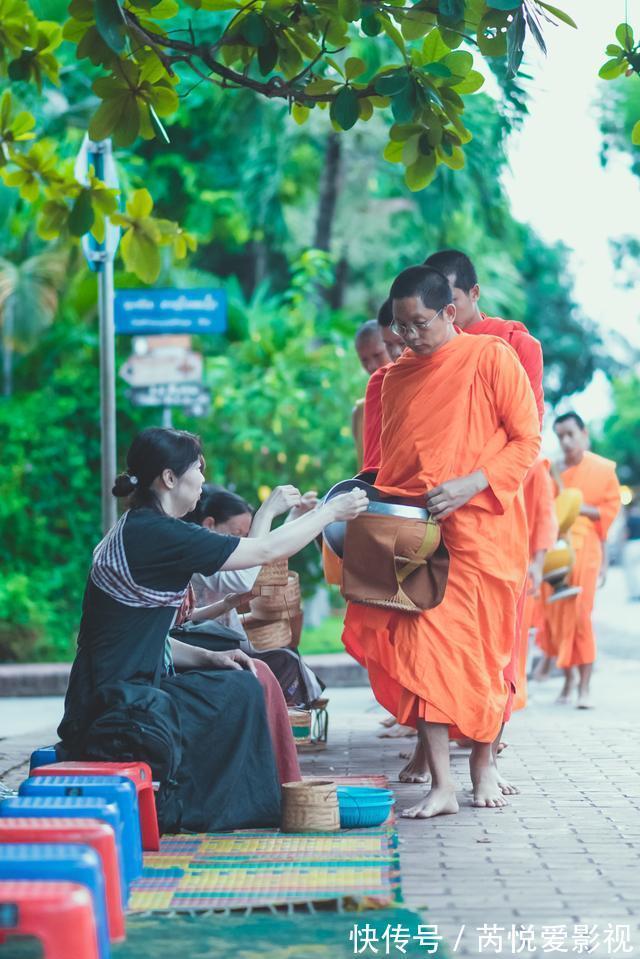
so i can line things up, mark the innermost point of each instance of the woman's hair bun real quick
(124, 485)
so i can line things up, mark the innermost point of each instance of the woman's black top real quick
(116, 641)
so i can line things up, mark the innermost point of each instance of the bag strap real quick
(419, 558)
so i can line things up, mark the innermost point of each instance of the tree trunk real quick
(336, 294)
(329, 192)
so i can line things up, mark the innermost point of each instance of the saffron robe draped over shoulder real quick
(543, 533)
(372, 427)
(526, 346)
(569, 631)
(468, 406)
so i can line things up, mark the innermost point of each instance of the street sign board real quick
(171, 394)
(159, 366)
(170, 311)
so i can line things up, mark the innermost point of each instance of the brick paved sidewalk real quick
(566, 851)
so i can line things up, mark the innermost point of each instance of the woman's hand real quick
(233, 600)
(281, 500)
(347, 506)
(232, 659)
(444, 499)
(308, 501)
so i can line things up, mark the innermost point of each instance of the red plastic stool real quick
(84, 832)
(138, 773)
(58, 914)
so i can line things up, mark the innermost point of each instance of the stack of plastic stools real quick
(140, 776)
(58, 914)
(43, 756)
(116, 789)
(76, 807)
(77, 832)
(61, 863)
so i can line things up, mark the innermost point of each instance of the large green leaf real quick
(504, 4)
(624, 36)
(612, 69)
(421, 173)
(392, 83)
(560, 14)
(111, 24)
(345, 109)
(81, 216)
(141, 255)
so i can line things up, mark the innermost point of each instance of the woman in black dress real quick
(226, 776)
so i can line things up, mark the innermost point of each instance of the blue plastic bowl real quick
(362, 806)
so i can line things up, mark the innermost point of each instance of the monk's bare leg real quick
(506, 788)
(567, 689)
(417, 769)
(543, 669)
(441, 798)
(584, 697)
(484, 777)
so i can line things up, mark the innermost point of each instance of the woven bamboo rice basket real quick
(278, 599)
(267, 635)
(310, 807)
(300, 720)
(272, 574)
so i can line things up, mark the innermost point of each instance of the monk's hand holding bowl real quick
(346, 506)
(449, 496)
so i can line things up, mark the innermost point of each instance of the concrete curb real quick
(51, 679)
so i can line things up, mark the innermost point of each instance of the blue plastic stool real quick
(61, 863)
(117, 789)
(44, 756)
(63, 807)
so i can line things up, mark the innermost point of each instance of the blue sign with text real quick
(150, 312)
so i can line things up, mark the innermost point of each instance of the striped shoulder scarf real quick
(110, 572)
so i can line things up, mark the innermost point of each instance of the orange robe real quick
(526, 346)
(543, 533)
(570, 635)
(372, 428)
(466, 407)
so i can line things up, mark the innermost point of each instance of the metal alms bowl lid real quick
(333, 534)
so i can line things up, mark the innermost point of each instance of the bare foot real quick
(405, 754)
(389, 721)
(417, 769)
(397, 732)
(502, 746)
(507, 788)
(440, 801)
(584, 700)
(486, 782)
(564, 698)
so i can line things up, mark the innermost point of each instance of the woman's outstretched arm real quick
(292, 537)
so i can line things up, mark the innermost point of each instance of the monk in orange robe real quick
(460, 430)
(372, 428)
(466, 294)
(568, 621)
(543, 533)
(463, 278)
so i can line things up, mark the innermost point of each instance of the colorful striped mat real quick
(258, 869)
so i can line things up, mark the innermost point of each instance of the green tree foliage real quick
(624, 59)
(620, 438)
(143, 56)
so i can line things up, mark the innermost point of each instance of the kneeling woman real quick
(226, 775)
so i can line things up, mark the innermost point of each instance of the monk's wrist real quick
(480, 481)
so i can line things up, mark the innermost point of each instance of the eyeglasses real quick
(416, 328)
